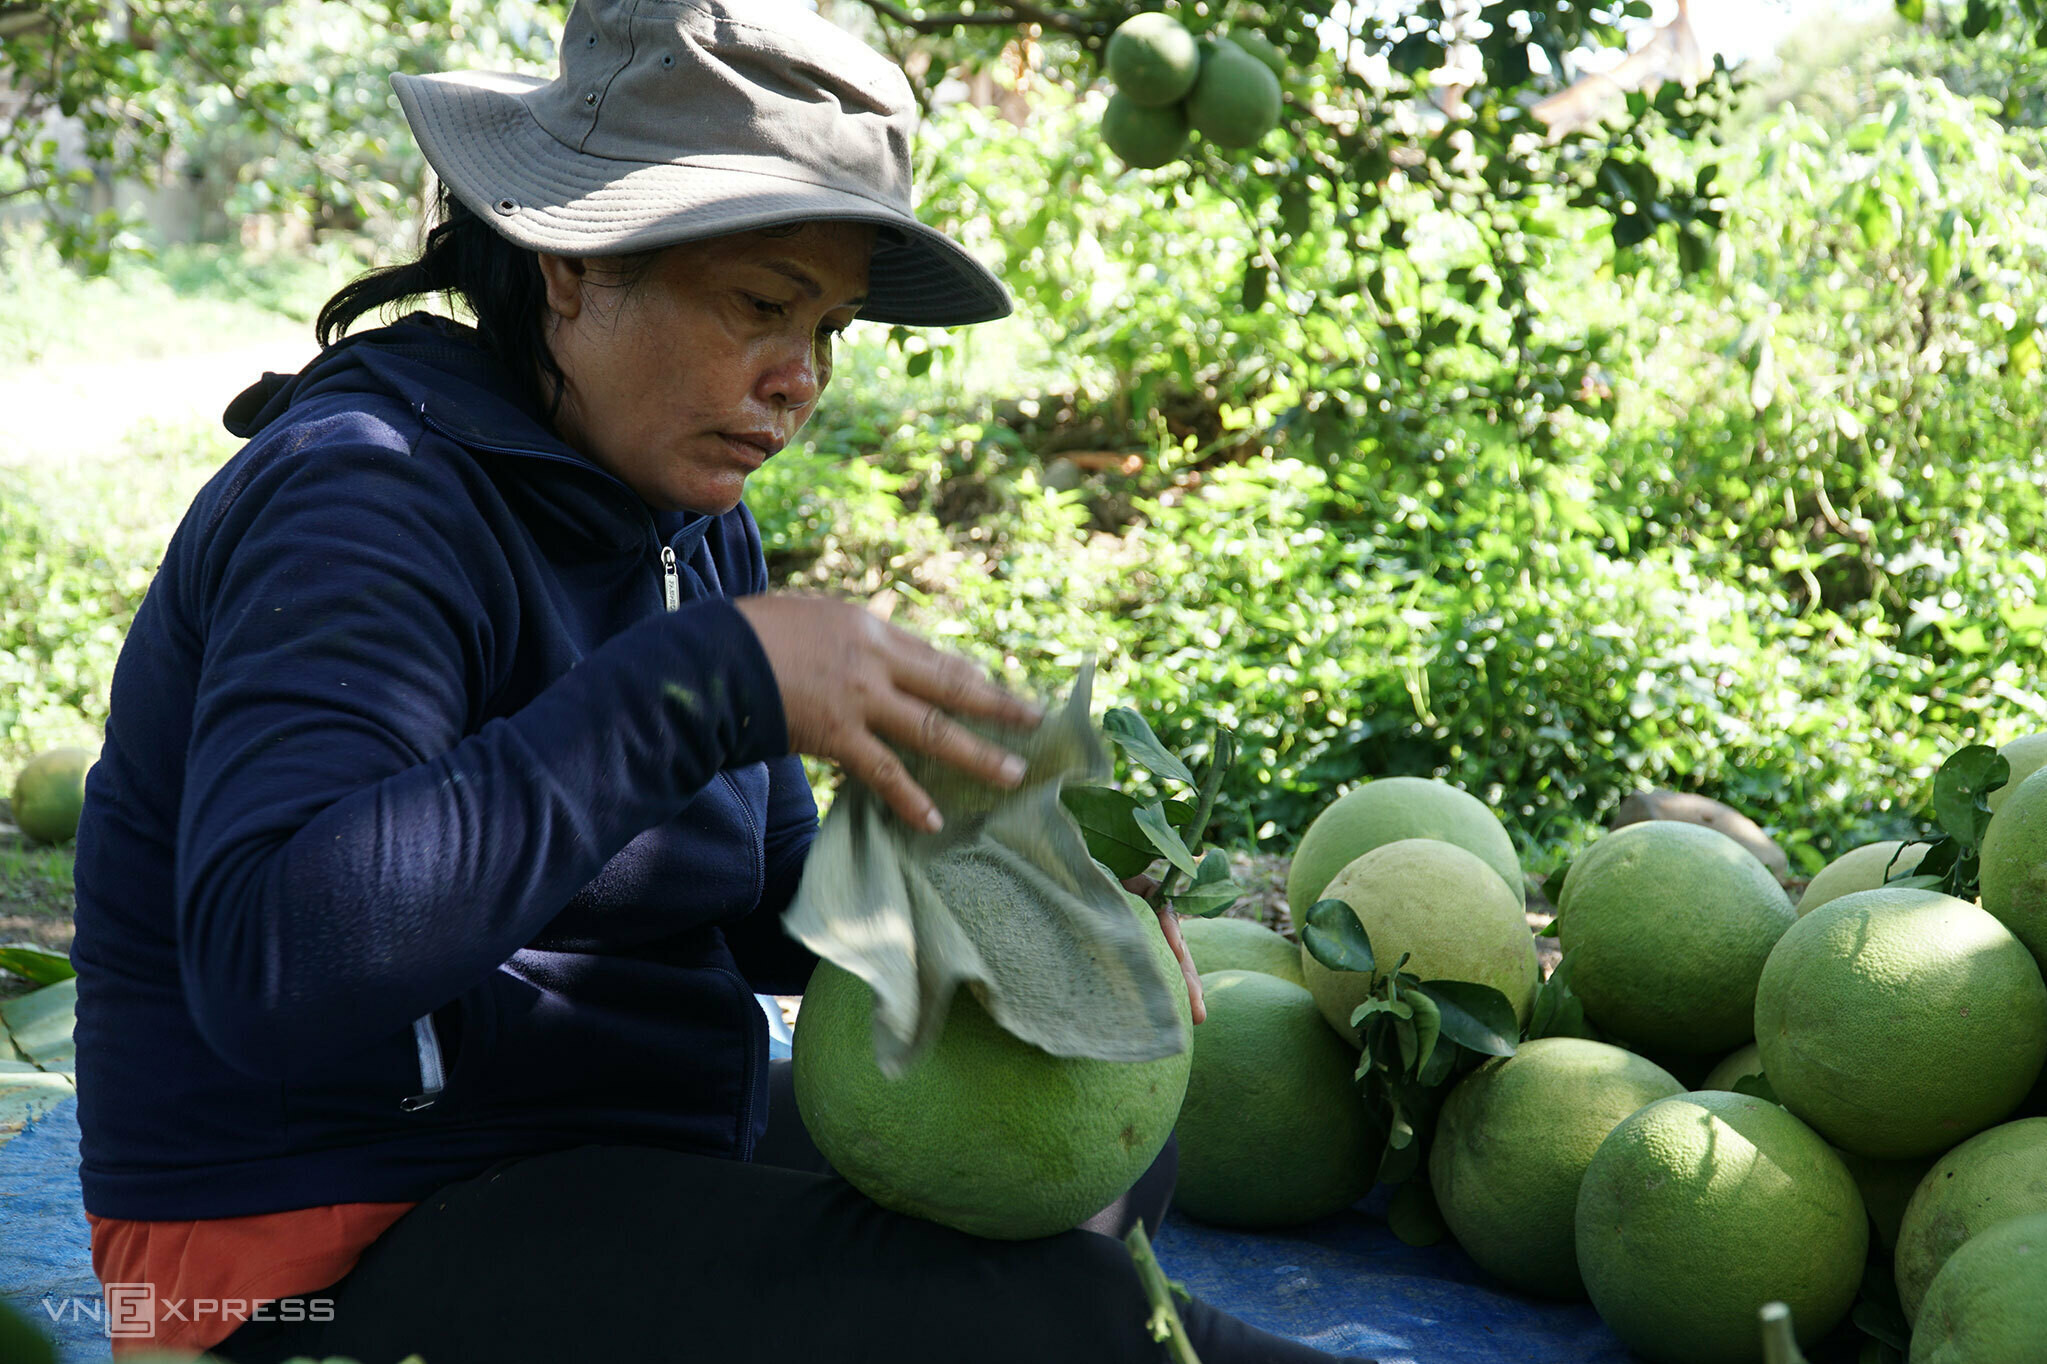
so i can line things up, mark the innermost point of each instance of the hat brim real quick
(484, 143)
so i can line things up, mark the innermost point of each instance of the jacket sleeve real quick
(771, 960)
(347, 859)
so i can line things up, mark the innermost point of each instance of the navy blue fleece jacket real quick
(425, 833)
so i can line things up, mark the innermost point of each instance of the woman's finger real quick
(1169, 924)
(872, 762)
(954, 683)
(927, 729)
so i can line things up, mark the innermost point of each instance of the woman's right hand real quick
(852, 684)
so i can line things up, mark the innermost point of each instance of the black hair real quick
(499, 282)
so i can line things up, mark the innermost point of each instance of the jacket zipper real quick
(431, 1076)
(671, 597)
(430, 1069)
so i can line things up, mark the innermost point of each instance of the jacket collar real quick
(442, 372)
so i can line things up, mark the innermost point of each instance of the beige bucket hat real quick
(677, 120)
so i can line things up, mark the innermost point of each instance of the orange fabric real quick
(200, 1280)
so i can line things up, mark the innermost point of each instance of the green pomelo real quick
(984, 1132)
(49, 794)
(1512, 1143)
(2014, 865)
(1386, 811)
(1861, 868)
(2025, 755)
(1742, 1061)
(1261, 47)
(1988, 1304)
(1273, 1131)
(1887, 1187)
(1226, 944)
(1992, 1177)
(1671, 923)
(1144, 138)
(20, 1341)
(1235, 100)
(1699, 1209)
(1439, 903)
(1153, 60)
(1900, 1022)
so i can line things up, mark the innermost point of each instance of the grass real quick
(182, 300)
(84, 534)
(37, 898)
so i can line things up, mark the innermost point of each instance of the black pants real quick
(635, 1255)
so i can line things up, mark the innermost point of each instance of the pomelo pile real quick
(1171, 85)
(1765, 1101)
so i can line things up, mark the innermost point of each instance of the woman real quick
(450, 797)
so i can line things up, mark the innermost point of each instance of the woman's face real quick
(687, 382)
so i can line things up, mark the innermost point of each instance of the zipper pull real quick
(671, 586)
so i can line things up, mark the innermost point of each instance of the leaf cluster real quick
(1417, 1038)
(1973, 19)
(1126, 832)
(1952, 863)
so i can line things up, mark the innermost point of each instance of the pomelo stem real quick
(1164, 1316)
(1780, 1346)
(1222, 752)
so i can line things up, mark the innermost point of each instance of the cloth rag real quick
(1005, 900)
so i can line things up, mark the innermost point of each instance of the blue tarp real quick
(1344, 1284)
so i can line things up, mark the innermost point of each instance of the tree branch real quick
(1009, 16)
(17, 19)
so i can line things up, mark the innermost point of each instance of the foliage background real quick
(1475, 466)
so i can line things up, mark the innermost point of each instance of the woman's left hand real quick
(1169, 924)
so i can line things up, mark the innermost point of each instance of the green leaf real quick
(1108, 820)
(1939, 862)
(1415, 53)
(1428, 1026)
(1257, 282)
(1912, 11)
(1475, 1016)
(1401, 1136)
(1212, 891)
(1548, 930)
(1558, 1012)
(1333, 936)
(1412, 1214)
(35, 962)
(1442, 1061)
(1959, 788)
(1693, 252)
(1135, 738)
(1403, 1156)
(1398, 1010)
(1152, 823)
(2023, 353)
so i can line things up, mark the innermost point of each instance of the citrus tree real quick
(291, 97)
